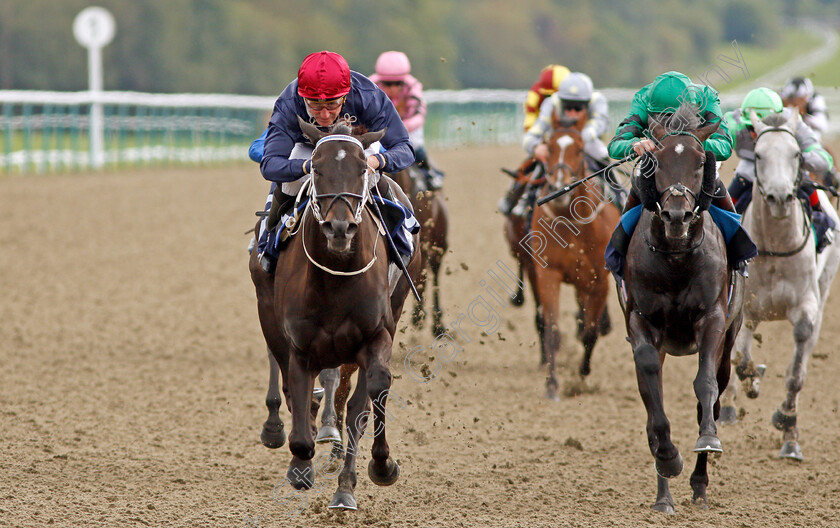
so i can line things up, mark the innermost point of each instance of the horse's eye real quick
(757, 156)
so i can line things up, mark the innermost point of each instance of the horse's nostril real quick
(788, 198)
(351, 229)
(327, 228)
(771, 198)
(687, 216)
(666, 216)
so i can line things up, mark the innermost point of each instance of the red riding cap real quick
(323, 75)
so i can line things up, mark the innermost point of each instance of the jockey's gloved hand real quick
(589, 134)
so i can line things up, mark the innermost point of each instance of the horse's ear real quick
(371, 137)
(793, 118)
(704, 133)
(310, 131)
(657, 130)
(757, 124)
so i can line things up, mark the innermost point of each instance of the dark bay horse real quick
(677, 286)
(430, 209)
(329, 303)
(573, 231)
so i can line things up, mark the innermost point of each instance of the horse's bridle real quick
(679, 189)
(806, 230)
(799, 172)
(343, 196)
(316, 210)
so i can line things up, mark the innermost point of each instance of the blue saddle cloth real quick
(728, 222)
(739, 244)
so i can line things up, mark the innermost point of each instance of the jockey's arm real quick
(632, 128)
(599, 118)
(415, 116)
(542, 126)
(814, 157)
(817, 116)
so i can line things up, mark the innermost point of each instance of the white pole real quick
(97, 119)
(94, 28)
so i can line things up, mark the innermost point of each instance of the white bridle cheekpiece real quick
(313, 193)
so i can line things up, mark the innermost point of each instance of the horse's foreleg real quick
(548, 293)
(519, 298)
(700, 475)
(341, 395)
(329, 432)
(382, 469)
(593, 304)
(806, 331)
(273, 432)
(748, 372)
(648, 360)
(711, 332)
(437, 311)
(301, 440)
(358, 411)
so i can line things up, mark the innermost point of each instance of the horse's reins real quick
(807, 225)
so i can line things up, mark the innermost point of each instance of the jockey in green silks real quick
(657, 102)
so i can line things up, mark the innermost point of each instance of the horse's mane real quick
(686, 117)
(775, 120)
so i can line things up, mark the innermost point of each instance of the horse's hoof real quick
(791, 450)
(551, 394)
(708, 444)
(782, 421)
(700, 503)
(669, 468)
(300, 475)
(273, 436)
(384, 476)
(663, 507)
(327, 433)
(343, 500)
(728, 415)
(752, 383)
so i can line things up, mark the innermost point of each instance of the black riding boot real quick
(280, 204)
(433, 177)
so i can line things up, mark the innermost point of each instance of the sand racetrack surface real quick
(133, 378)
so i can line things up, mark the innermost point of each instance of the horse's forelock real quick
(341, 127)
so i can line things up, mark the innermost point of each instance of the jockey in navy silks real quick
(325, 91)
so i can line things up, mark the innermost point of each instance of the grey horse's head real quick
(777, 161)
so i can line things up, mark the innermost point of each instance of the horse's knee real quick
(647, 359)
(378, 379)
(803, 330)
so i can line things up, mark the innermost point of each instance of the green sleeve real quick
(720, 143)
(632, 128)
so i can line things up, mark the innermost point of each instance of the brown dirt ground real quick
(134, 374)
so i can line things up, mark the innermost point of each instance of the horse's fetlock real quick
(302, 449)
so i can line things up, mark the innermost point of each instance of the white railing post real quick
(94, 28)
